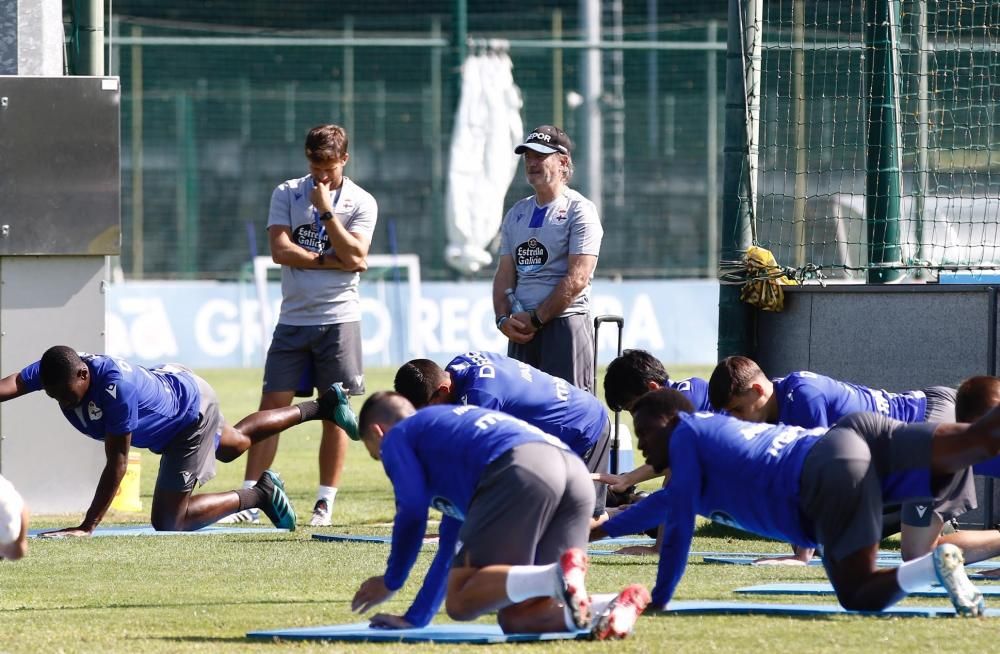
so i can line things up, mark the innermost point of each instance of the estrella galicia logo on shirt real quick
(307, 236)
(530, 255)
(93, 411)
(446, 507)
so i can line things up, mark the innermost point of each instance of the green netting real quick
(216, 102)
(811, 181)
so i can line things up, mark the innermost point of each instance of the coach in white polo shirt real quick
(549, 244)
(319, 229)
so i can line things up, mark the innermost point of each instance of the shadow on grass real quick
(185, 604)
(717, 530)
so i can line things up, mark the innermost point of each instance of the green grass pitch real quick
(202, 594)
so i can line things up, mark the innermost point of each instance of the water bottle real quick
(515, 304)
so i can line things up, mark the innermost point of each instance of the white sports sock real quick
(249, 483)
(328, 493)
(527, 581)
(916, 574)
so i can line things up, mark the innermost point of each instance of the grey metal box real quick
(60, 190)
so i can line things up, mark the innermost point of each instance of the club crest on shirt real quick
(530, 255)
(558, 217)
(93, 411)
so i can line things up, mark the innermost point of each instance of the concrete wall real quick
(892, 337)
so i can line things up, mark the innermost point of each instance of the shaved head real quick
(384, 408)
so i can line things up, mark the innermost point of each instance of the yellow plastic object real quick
(763, 289)
(127, 497)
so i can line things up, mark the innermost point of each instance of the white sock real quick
(328, 493)
(527, 581)
(916, 574)
(249, 483)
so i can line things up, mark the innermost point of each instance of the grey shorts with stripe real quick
(531, 504)
(564, 348)
(843, 475)
(302, 358)
(189, 458)
(962, 497)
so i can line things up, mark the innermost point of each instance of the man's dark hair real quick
(975, 397)
(626, 377)
(665, 402)
(416, 380)
(326, 142)
(731, 376)
(58, 365)
(384, 407)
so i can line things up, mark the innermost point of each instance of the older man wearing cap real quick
(549, 244)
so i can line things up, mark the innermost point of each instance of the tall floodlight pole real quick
(883, 183)
(743, 61)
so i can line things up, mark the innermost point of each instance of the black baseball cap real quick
(546, 139)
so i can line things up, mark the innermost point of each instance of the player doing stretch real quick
(805, 486)
(174, 413)
(494, 381)
(516, 507)
(806, 399)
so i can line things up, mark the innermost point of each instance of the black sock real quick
(309, 410)
(250, 498)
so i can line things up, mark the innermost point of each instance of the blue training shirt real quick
(494, 381)
(743, 474)
(810, 400)
(435, 458)
(696, 390)
(154, 405)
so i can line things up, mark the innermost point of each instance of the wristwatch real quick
(326, 215)
(535, 321)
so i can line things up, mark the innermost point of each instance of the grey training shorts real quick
(189, 458)
(960, 497)
(564, 348)
(531, 503)
(843, 477)
(332, 351)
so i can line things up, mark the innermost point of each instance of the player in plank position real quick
(806, 399)
(494, 381)
(806, 486)
(173, 412)
(516, 504)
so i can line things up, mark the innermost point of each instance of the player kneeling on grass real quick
(13, 522)
(807, 486)
(175, 413)
(517, 505)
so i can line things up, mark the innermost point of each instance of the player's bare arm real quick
(116, 449)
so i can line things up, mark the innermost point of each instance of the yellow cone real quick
(127, 497)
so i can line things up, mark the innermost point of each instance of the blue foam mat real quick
(699, 607)
(147, 530)
(827, 589)
(882, 561)
(360, 632)
(357, 538)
